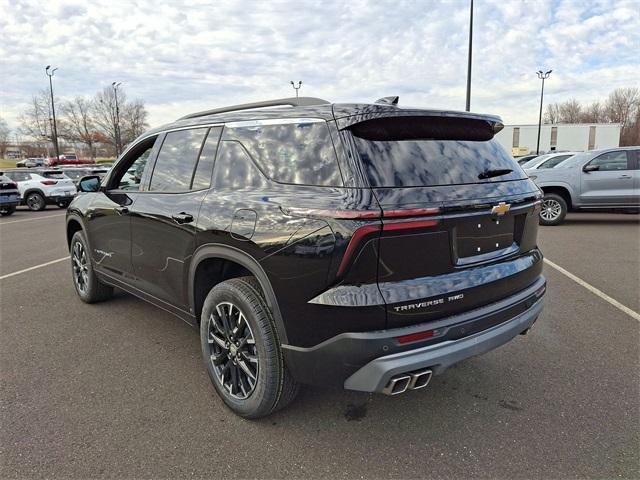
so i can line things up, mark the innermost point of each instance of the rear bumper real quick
(375, 375)
(366, 361)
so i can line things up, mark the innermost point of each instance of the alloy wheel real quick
(232, 350)
(80, 268)
(551, 210)
(34, 202)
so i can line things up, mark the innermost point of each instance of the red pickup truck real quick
(68, 159)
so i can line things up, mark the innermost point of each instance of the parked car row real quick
(38, 187)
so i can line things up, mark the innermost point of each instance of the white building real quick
(522, 139)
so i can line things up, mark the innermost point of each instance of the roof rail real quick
(291, 101)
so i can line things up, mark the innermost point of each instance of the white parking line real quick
(44, 217)
(12, 274)
(594, 290)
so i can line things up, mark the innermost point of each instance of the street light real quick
(542, 76)
(296, 88)
(115, 86)
(50, 73)
(468, 106)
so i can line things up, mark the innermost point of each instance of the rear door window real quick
(402, 159)
(173, 170)
(295, 152)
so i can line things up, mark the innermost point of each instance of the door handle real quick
(624, 176)
(182, 217)
(122, 210)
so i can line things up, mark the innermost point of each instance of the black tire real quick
(6, 211)
(85, 281)
(554, 209)
(273, 387)
(36, 202)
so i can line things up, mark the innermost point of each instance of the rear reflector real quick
(414, 337)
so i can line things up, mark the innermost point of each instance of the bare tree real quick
(552, 113)
(5, 133)
(37, 120)
(570, 111)
(593, 113)
(133, 116)
(79, 124)
(133, 120)
(104, 114)
(622, 105)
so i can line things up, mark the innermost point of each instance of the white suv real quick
(41, 187)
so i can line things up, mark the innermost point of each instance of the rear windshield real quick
(58, 175)
(412, 162)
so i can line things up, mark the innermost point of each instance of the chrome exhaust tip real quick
(397, 385)
(420, 379)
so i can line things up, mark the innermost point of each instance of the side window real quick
(298, 153)
(611, 161)
(552, 162)
(204, 168)
(128, 173)
(176, 161)
(234, 169)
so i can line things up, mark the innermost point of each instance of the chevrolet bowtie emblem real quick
(501, 208)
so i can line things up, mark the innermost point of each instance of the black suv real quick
(364, 246)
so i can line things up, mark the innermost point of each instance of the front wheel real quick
(554, 209)
(241, 350)
(88, 287)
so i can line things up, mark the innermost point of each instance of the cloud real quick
(189, 56)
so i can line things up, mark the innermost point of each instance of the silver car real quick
(598, 179)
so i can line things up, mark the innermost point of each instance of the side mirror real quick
(590, 168)
(90, 183)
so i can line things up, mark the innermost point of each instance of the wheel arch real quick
(561, 190)
(74, 225)
(244, 260)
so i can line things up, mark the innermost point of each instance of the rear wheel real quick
(554, 209)
(6, 211)
(35, 201)
(88, 287)
(241, 350)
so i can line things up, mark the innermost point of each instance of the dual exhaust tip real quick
(408, 381)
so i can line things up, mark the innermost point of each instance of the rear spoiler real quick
(421, 125)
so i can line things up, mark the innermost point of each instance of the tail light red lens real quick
(48, 182)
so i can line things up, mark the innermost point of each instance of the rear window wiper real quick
(494, 173)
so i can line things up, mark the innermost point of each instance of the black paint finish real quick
(329, 257)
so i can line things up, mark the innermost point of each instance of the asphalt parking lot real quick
(118, 390)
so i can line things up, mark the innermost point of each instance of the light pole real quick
(468, 107)
(542, 76)
(296, 88)
(50, 73)
(115, 86)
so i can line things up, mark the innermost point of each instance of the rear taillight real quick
(48, 182)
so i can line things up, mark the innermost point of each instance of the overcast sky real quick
(181, 57)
